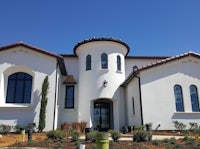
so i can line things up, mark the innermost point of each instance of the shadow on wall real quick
(22, 115)
(187, 116)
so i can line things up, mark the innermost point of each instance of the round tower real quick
(101, 72)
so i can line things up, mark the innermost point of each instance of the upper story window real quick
(178, 98)
(194, 98)
(118, 63)
(19, 88)
(88, 62)
(69, 97)
(104, 61)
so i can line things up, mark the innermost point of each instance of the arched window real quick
(104, 61)
(194, 98)
(118, 63)
(88, 62)
(178, 98)
(19, 88)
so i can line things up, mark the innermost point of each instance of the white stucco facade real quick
(105, 98)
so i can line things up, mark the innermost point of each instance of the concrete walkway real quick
(154, 137)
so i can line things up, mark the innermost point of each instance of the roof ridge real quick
(21, 43)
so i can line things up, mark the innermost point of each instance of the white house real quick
(99, 84)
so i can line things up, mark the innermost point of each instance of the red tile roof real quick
(57, 56)
(21, 43)
(100, 39)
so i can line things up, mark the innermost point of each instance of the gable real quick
(182, 58)
(25, 50)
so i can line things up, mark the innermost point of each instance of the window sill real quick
(9, 105)
(104, 69)
(69, 109)
(187, 112)
(119, 72)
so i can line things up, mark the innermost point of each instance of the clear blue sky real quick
(149, 27)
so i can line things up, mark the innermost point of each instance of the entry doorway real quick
(103, 115)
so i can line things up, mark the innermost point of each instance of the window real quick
(194, 98)
(118, 63)
(88, 62)
(69, 98)
(19, 88)
(133, 103)
(179, 98)
(104, 61)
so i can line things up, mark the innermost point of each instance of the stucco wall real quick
(130, 62)
(158, 98)
(133, 93)
(91, 82)
(38, 65)
(69, 115)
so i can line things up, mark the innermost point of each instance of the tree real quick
(44, 99)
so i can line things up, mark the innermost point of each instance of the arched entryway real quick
(103, 114)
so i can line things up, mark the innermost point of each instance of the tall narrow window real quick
(88, 62)
(118, 63)
(133, 104)
(69, 97)
(19, 88)
(194, 98)
(178, 98)
(104, 61)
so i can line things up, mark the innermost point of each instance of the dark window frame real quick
(118, 63)
(104, 61)
(67, 106)
(194, 96)
(17, 88)
(133, 104)
(178, 93)
(88, 62)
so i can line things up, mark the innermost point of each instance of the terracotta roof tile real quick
(101, 39)
(69, 80)
(57, 56)
(21, 43)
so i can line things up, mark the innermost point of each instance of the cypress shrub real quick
(44, 99)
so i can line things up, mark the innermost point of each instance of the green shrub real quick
(194, 127)
(115, 134)
(172, 140)
(91, 136)
(4, 129)
(75, 134)
(166, 140)
(189, 141)
(44, 99)
(179, 125)
(138, 127)
(78, 142)
(140, 135)
(156, 142)
(56, 134)
(58, 145)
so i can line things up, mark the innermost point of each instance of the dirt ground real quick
(40, 140)
(10, 139)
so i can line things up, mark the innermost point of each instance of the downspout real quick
(140, 96)
(55, 98)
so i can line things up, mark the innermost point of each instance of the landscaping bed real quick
(41, 140)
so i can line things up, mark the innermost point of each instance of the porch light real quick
(105, 83)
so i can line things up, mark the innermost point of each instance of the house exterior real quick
(99, 84)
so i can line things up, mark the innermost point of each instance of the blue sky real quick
(149, 27)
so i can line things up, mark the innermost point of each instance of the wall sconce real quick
(105, 83)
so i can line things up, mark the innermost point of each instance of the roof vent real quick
(135, 68)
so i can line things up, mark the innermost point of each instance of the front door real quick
(102, 115)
